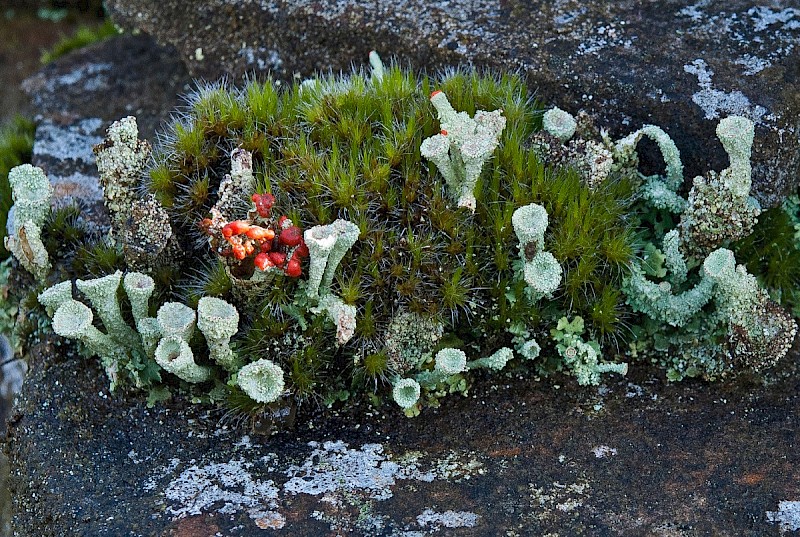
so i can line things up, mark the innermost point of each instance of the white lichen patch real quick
(787, 516)
(348, 483)
(159, 473)
(71, 142)
(551, 502)
(448, 519)
(603, 452)
(752, 64)
(91, 77)
(332, 466)
(261, 58)
(716, 103)
(459, 26)
(604, 37)
(458, 467)
(226, 488)
(761, 35)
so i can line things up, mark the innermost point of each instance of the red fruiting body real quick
(277, 258)
(282, 220)
(443, 132)
(239, 251)
(263, 262)
(291, 236)
(260, 233)
(293, 268)
(237, 227)
(266, 246)
(249, 248)
(302, 250)
(435, 93)
(264, 203)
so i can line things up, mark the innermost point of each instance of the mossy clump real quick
(349, 147)
(772, 252)
(346, 255)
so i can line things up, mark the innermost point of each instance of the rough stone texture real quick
(128, 75)
(679, 65)
(633, 457)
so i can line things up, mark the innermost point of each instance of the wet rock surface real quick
(676, 64)
(636, 456)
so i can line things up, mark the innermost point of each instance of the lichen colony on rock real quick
(385, 232)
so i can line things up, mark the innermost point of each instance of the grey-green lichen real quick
(559, 123)
(262, 380)
(140, 226)
(343, 316)
(582, 358)
(327, 246)
(359, 181)
(175, 356)
(720, 208)
(541, 270)
(31, 192)
(163, 339)
(462, 147)
(218, 321)
(406, 393)
(761, 331)
(496, 361)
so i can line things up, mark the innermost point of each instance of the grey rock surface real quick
(636, 456)
(77, 97)
(677, 64)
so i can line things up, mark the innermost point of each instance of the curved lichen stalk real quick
(660, 192)
(658, 300)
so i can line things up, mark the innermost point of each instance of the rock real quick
(77, 97)
(678, 65)
(128, 75)
(635, 456)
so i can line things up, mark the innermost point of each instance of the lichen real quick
(31, 192)
(316, 235)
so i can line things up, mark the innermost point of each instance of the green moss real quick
(346, 147)
(83, 36)
(773, 255)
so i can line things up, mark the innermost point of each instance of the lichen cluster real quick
(399, 236)
(717, 319)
